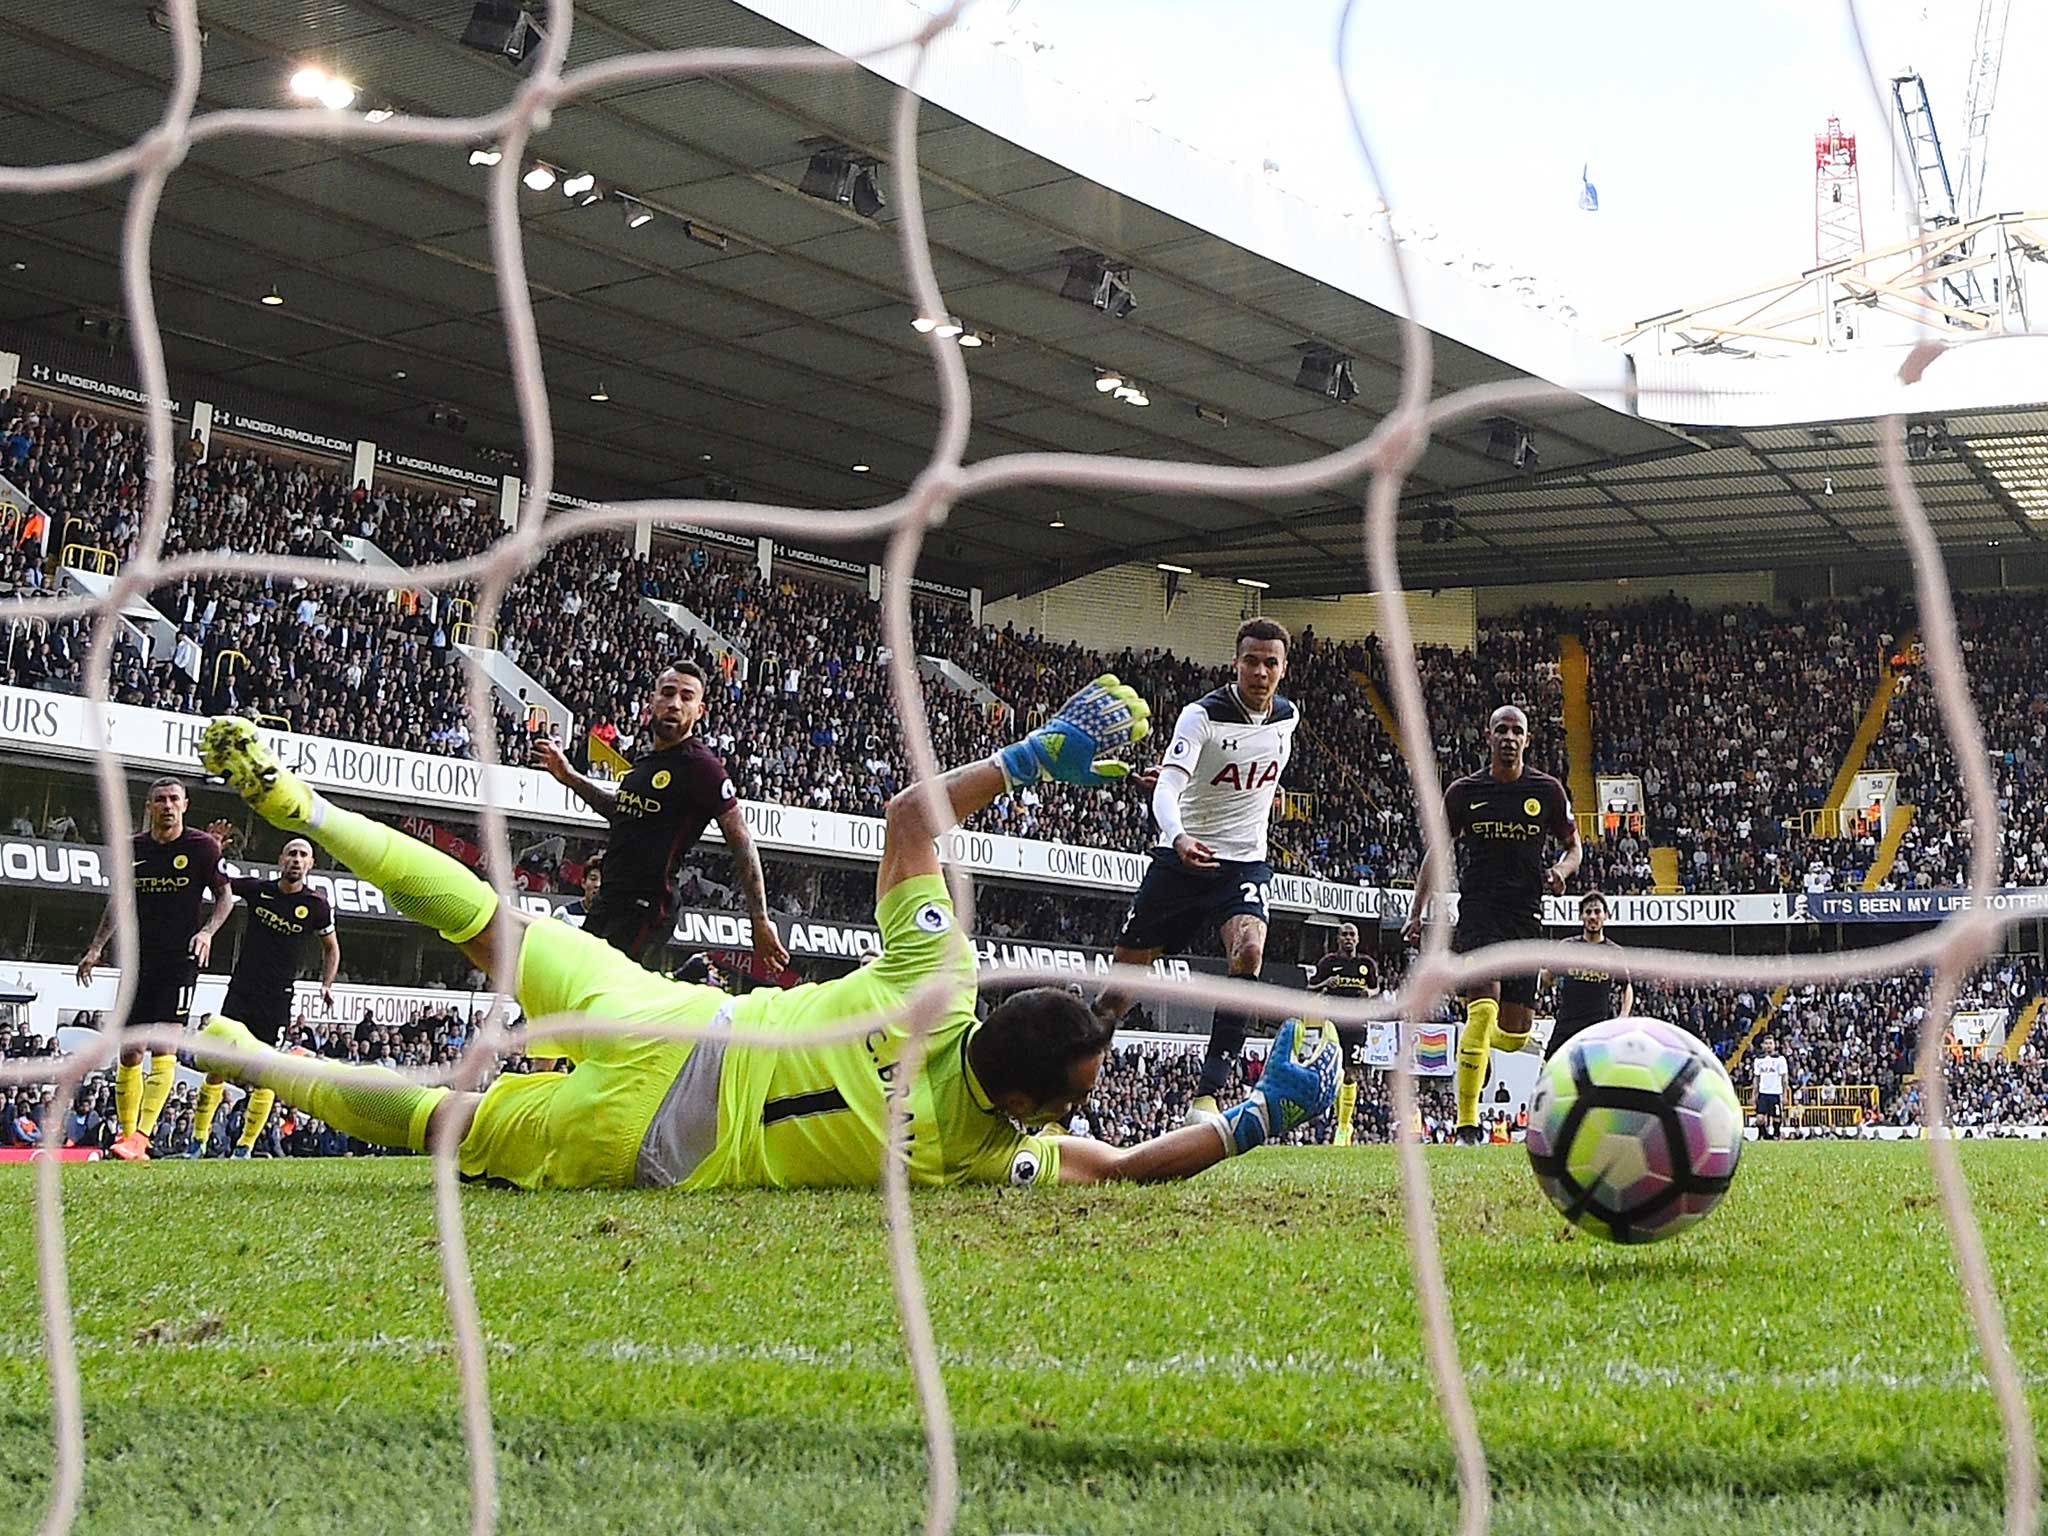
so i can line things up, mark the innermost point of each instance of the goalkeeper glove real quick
(1290, 1093)
(1099, 718)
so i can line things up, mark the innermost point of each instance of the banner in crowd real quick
(63, 378)
(59, 997)
(1911, 906)
(55, 724)
(806, 937)
(48, 866)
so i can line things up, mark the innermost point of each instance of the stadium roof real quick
(770, 330)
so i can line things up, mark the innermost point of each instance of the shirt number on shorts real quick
(1254, 893)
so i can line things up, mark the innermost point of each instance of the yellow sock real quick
(156, 1090)
(210, 1093)
(127, 1095)
(1473, 1050)
(421, 881)
(1347, 1106)
(255, 1116)
(373, 1104)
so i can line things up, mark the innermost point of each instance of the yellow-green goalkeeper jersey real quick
(817, 1115)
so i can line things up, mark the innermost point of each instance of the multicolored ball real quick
(1634, 1130)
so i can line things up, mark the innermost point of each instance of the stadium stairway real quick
(1380, 706)
(2016, 1037)
(1664, 870)
(1888, 850)
(1867, 731)
(1756, 1029)
(1575, 671)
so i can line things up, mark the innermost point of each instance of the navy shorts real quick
(1561, 1032)
(1175, 903)
(1767, 1103)
(1479, 927)
(265, 1016)
(163, 993)
(637, 928)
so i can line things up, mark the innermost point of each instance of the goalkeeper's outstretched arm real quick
(1291, 1093)
(1099, 718)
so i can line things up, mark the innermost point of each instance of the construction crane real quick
(1837, 197)
(1986, 54)
(1931, 183)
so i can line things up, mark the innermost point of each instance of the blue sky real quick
(1697, 121)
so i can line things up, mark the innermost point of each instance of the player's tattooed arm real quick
(601, 798)
(330, 965)
(746, 864)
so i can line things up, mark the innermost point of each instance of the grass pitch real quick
(264, 1346)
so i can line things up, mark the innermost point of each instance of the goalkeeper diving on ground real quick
(655, 1111)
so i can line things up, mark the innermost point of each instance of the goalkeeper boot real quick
(1471, 1136)
(239, 1152)
(131, 1148)
(231, 749)
(193, 1152)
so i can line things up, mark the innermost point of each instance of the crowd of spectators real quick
(1866, 1034)
(2004, 637)
(430, 1039)
(1735, 720)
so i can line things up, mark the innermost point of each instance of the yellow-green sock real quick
(156, 1090)
(1347, 1106)
(421, 881)
(210, 1093)
(255, 1116)
(1474, 1042)
(127, 1095)
(372, 1104)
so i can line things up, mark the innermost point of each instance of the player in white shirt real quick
(1212, 804)
(1769, 1072)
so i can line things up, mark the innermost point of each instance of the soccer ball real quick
(1634, 1130)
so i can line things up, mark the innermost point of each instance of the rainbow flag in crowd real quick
(1432, 1049)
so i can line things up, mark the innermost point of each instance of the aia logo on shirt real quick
(1253, 775)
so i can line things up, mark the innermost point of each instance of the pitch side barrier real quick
(54, 725)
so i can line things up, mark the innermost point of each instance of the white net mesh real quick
(1387, 456)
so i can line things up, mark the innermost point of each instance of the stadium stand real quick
(1735, 720)
(2004, 639)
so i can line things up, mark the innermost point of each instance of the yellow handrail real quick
(1822, 821)
(224, 657)
(90, 557)
(1343, 766)
(275, 722)
(466, 633)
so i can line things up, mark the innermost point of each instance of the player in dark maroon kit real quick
(675, 788)
(175, 866)
(1503, 818)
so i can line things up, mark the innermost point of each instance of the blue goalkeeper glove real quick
(1290, 1093)
(1069, 747)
